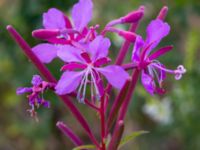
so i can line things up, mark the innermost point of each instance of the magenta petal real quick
(53, 19)
(160, 52)
(102, 61)
(45, 52)
(98, 48)
(156, 30)
(72, 66)
(86, 57)
(115, 75)
(136, 49)
(68, 82)
(82, 14)
(22, 90)
(148, 83)
(69, 54)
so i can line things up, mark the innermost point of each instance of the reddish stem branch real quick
(103, 127)
(118, 131)
(127, 99)
(129, 66)
(117, 104)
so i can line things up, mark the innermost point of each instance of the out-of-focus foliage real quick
(180, 105)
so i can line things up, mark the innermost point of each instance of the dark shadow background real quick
(173, 119)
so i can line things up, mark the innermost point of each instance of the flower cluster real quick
(85, 55)
(81, 48)
(35, 97)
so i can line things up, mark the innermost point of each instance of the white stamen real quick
(95, 85)
(79, 96)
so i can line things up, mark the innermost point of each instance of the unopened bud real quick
(163, 13)
(133, 16)
(130, 36)
(45, 33)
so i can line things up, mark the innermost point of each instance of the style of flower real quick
(38, 88)
(61, 31)
(151, 68)
(88, 61)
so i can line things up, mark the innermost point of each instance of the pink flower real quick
(58, 29)
(152, 69)
(88, 62)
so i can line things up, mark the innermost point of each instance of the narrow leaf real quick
(130, 137)
(84, 147)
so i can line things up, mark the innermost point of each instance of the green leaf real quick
(84, 147)
(132, 136)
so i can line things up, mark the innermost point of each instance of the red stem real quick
(116, 105)
(129, 66)
(46, 73)
(127, 99)
(102, 116)
(118, 131)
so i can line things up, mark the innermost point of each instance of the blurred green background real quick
(173, 119)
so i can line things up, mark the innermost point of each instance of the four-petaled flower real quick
(59, 30)
(151, 68)
(88, 61)
(34, 98)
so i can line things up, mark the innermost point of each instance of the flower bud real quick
(130, 36)
(133, 16)
(45, 33)
(163, 13)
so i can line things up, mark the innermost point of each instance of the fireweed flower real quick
(60, 31)
(88, 61)
(35, 97)
(58, 26)
(151, 68)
